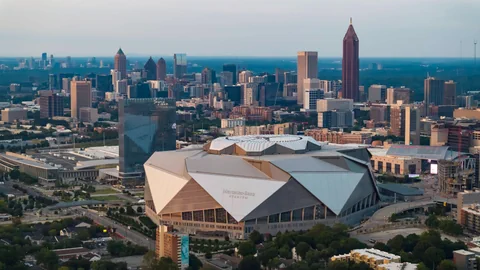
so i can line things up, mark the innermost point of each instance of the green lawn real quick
(107, 198)
(105, 191)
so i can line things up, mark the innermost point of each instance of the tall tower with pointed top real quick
(121, 63)
(161, 69)
(350, 65)
(150, 69)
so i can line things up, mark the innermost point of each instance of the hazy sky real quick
(398, 28)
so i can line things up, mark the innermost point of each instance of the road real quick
(131, 235)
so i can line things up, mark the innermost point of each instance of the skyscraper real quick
(307, 68)
(208, 76)
(50, 104)
(80, 96)
(104, 82)
(233, 69)
(146, 125)
(377, 93)
(350, 65)
(180, 65)
(433, 92)
(150, 69)
(121, 63)
(450, 94)
(161, 69)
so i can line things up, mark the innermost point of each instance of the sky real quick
(386, 28)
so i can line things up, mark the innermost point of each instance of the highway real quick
(131, 235)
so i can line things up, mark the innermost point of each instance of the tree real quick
(130, 211)
(194, 263)
(115, 247)
(249, 263)
(208, 255)
(285, 252)
(246, 249)
(381, 246)
(396, 243)
(121, 210)
(420, 249)
(267, 254)
(337, 265)
(139, 210)
(47, 258)
(433, 256)
(446, 265)
(151, 263)
(14, 174)
(302, 248)
(256, 237)
(432, 221)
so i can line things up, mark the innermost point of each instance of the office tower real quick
(412, 125)
(330, 104)
(121, 64)
(15, 87)
(139, 90)
(121, 87)
(433, 93)
(116, 76)
(289, 89)
(350, 65)
(179, 65)
(50, 104)
(226, 78)
(399, 94)
(256, 79)
(289, 77)
(104, 83)
(68, 62)
(44, 57)
(10, 115)
(161, 69)
(311, 97)
(80, 96)
(465, 101)
(307, 68)
(244, 76)
(233, 69)
(52, 82)
(150, 69)
(335, 113)
(234, 93)
(326, 86)
(377, 93)
(51, 61)
(251, 94)
(279, 75)
(66, 85)
(380, 113)
(208, 76)
(146, 126)
(450, 94)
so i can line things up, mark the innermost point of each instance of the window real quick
(412, 168)
(380, 166)
(308, 213)
(285, 217)
(198, 215)
(320, 212)
(221, 215)
(273, 218)
(297, 215)
(186, 215)
(397, 168)
(262, 220)
(209, 215)
(372, 162)
(389, 167)
(231, 220)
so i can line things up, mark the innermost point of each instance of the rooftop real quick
(399, 266)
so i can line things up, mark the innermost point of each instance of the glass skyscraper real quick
(179, 65)
(146, 125)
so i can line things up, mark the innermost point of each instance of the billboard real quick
(433, 168)
(184, 253)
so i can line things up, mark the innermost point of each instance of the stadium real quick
(269, 183)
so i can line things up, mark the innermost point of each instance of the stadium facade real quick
(268, 183)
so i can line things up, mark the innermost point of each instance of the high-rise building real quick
(80, 96)
(326, 86)
(377, 93)
(208, 76)
(433, 92)
(50, 104)
(104, 83)
(412, 125)
(279, 75)
(289, 77)
(399, 94)
(350, 65)
(10, 115)
(121, 87)
(161, 69)
(330, 104)
(233, 69)
(150, 69)
(234, 93)
(172, 245)
(244, 76)
(52, 82)
(465, 101)
(450, 94)
(66, 85)
(139, 90)
(226, 78)
(307, 68)
(121, 64)
(179, 65)
(146, 125)
(311, 97)
(44, 57)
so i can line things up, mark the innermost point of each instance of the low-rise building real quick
(372, 257)
(398, 266)
(397, 165)
(325, 135)
(10, 115)
(465, 260)
(231, 123)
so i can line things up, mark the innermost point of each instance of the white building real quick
(231, 123)
(330, 104)
(121, 87)
(311, 95)
(326, 86)
(377, 93)
(244, 76)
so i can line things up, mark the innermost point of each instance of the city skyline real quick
(438, 30)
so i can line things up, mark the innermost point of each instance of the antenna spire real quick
(350, 20)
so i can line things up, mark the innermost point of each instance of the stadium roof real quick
(419, 151)
(256, 179)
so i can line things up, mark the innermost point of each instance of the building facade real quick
(120, 64)
(50, 104)
(307, 68)
(350, 65)
(80, 96)
(179, 65)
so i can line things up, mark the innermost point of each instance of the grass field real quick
(105, 191)
(107, 198)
